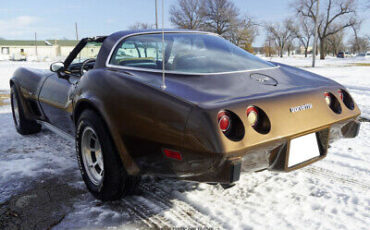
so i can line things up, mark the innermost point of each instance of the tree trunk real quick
(281, 52)
(305, 51)
(322, 49)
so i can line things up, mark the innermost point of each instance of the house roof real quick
(39, 43)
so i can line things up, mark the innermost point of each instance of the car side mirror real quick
(57, 67)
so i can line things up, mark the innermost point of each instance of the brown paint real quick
(143, 119)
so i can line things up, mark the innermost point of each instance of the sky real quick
(51, 19)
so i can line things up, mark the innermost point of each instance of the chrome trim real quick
(57, 131)
(92, 156)
(107, 64)
(187, 73)
(149, 32)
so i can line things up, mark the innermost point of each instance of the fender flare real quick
(26, 110)
(96, 105)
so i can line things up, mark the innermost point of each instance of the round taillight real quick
(327, 98)
(252, 115)
(333, 102)
(224, 121)
(340, 92)
(346, 98)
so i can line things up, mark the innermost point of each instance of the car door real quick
(56, 95)
(56, 101)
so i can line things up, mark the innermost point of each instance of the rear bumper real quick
(349, 130)
(274, 155)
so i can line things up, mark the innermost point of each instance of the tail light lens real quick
(346, 98)
(252, 115)
(230, 125)
(340, 93)
(224, 121)
(327, 98)
(258, 119)
(333, 102)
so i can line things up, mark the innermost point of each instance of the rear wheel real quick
(100, 164)
(23, 125)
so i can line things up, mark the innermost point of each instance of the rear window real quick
(184, 52)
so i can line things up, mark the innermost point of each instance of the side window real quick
(185, 45)
(143, 51)
(127, 50)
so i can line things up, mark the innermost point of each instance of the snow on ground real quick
(7, 69)
(331, 194)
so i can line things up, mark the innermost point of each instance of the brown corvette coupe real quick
(190, 105)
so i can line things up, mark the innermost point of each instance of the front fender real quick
(28, 83)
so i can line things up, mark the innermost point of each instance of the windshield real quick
(90, 50)
(185, 52)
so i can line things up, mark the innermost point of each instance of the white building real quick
(42, 49)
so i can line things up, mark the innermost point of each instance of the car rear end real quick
(280, 133)
(223, 110)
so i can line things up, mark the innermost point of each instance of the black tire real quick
(23, 125)
(115, 182)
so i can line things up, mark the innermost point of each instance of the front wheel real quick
(23, 125)
(100, 164)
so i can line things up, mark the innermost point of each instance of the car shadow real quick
(43, 189)
(64, 203)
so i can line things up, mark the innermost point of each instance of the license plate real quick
(303, 149)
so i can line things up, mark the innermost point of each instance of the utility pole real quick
(316, 34)
(76, 31)
(36, 44)
(156, 14)
(79, 55)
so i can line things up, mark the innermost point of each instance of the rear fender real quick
(86, 101)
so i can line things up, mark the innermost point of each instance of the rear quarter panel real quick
(142, 119)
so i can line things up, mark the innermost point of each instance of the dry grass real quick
(3, 99)
(361, 64)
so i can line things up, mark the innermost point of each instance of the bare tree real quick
(335, 43)
(268, 47)
(359, 45)
(357, 41)
(188, 14)
(336, 16)
(221, 16)
(281, 33)
(243, 33)
(141, 26)
(304, 31)
(218, 16)
(290, 45)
